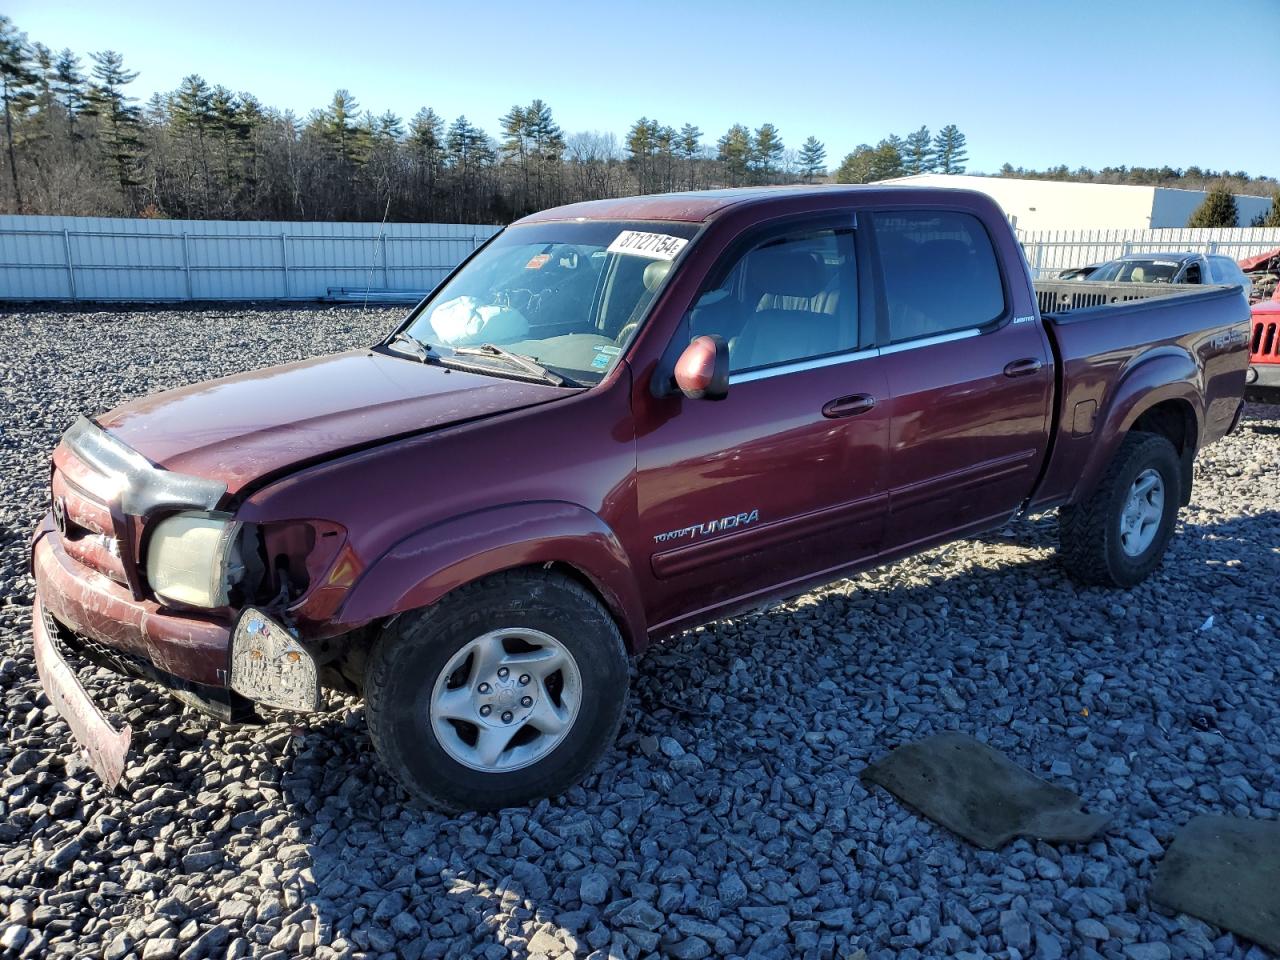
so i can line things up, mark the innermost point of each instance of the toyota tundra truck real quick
(614, 421)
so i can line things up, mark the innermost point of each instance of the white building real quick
(1061, 205)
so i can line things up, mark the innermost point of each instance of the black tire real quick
(1089, 532)
(410, 654)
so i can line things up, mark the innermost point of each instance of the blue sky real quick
(1034, 83)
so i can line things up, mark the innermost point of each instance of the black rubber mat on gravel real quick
(981, 794)
(1225, 870)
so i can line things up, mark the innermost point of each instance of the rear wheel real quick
(506, 691)
(1118, 535)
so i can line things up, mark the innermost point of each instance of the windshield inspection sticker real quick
(655, 246)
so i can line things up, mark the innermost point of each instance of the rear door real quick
(784, 478)
(970, 383)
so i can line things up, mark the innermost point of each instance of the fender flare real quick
(1155, 377)
(420, 569)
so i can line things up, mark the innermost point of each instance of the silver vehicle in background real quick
(1170, 268)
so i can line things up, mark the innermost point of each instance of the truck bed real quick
(1116, 343)
(1058, 297)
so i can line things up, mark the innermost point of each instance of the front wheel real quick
(1118, 535)
(506, 691)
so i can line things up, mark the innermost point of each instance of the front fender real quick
(426, 565)
(1155, 377)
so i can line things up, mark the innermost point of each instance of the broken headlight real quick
(194, 559)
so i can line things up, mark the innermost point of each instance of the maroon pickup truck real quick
(614, 421)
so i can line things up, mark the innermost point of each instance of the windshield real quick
(568, 295)
(1137, 271)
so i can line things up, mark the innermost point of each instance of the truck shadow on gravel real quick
(744, 740)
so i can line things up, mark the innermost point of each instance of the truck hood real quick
(241, 428)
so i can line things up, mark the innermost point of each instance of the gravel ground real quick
(729, 819)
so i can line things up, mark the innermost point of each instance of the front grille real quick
(84, 521)
(74, 646)
(1266, 339)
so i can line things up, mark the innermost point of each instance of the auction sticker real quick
(655, 246)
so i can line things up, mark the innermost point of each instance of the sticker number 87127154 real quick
(655, 246)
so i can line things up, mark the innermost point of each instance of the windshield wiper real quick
(527, 364)
(415, 346)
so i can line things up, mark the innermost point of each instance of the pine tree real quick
(426, 144)
(642, 145)
(69, 88)
(1218, 210)
(918, 155)
(1272, 217)
(16, 78)
(867, 164)
(426, 132)
(766, 152)
(886, 162)
(856, 166)
(388, 127)
(813, 159)
(664, 143)
(340, 125)
(467, 145)
(734, 151)
(546, 143)
(191, 110)
(119, 117)
(949, 150)
(689, 145)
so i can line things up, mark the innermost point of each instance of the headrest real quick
(655, 273)
(785, 273)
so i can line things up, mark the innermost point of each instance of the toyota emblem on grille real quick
(60, 515)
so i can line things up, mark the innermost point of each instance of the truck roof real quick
(697, 206)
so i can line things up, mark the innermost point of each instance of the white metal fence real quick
(1049, 251)
(93, 258)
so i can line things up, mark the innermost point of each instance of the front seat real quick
(1138, 275)
(774, 335)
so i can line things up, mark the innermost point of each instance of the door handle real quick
(1023, 368)
(849, 406)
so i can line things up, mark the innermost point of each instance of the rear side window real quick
(940, 272)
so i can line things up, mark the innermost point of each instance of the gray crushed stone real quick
(729, 820)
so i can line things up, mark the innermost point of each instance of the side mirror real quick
(702, 372)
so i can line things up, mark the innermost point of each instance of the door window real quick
(789, 298)
(940, 272)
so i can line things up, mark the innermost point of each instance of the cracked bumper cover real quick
(105, 747)
(90, 604)
(256, 656)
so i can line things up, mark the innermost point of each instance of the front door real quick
(785, 477)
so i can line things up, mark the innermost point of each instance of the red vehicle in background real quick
(1262, 381)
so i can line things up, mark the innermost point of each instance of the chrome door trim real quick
(798, 366)
(930, 341)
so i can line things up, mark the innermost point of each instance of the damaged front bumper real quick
(104, 746)
(220, 669)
